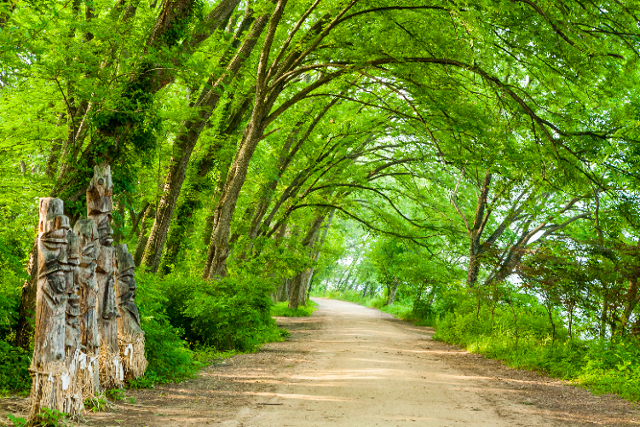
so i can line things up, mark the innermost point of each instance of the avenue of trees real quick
(477, 161)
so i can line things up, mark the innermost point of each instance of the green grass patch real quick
(402, 310)
(282, 309)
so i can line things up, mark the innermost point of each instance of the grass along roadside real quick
(281, 309)
(398, 309)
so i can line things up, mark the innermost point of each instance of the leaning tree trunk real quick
(186, 142)
(282, 293)
(264, 101)
(150, 212)
(191, 203)
(27, 311)
(294, 292)
(392, 292)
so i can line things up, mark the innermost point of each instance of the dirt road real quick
(369, 370)
(349, 365)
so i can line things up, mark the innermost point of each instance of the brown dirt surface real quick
(355, 366)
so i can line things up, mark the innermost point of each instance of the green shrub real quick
(14, 369)
(50, 418)
(97, 403)
(115, 394)
(231, 314)
(16, 421)
(168, 354)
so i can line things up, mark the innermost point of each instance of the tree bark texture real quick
(282, 293)
(142, 235)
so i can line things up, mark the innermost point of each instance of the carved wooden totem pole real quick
(99, 206)
(130, 333)
(72, 381)
(49, 372)
(85, 277)
(87, 332)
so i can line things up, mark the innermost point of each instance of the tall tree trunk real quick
(186, 142)
(191, 202)
(633, 297)
(294, 292)
(27, 311)
(282, 293)
(208, 226)
(149, 213)
(392, 291)
(264, 101)
(473, 268)
(300, 281)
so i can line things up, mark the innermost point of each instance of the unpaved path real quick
(349, 365)
(369, 369)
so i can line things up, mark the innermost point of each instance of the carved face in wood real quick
(127, 283)
(87, 232)
(99, 203)
(53, 249)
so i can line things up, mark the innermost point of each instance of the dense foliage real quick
(472, 165)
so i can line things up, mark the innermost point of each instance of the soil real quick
(355, 366)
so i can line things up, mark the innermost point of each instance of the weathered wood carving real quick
(99, 206)
(48, 368)
(87, 232)
(72, 381)
(130, 334)
(87, 333)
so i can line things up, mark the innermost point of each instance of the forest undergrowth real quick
(519, 333)
(188, 323)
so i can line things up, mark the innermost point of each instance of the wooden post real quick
(99, 206)
(130, 334)
(87, 232)
(73, 401)
(48, 369)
